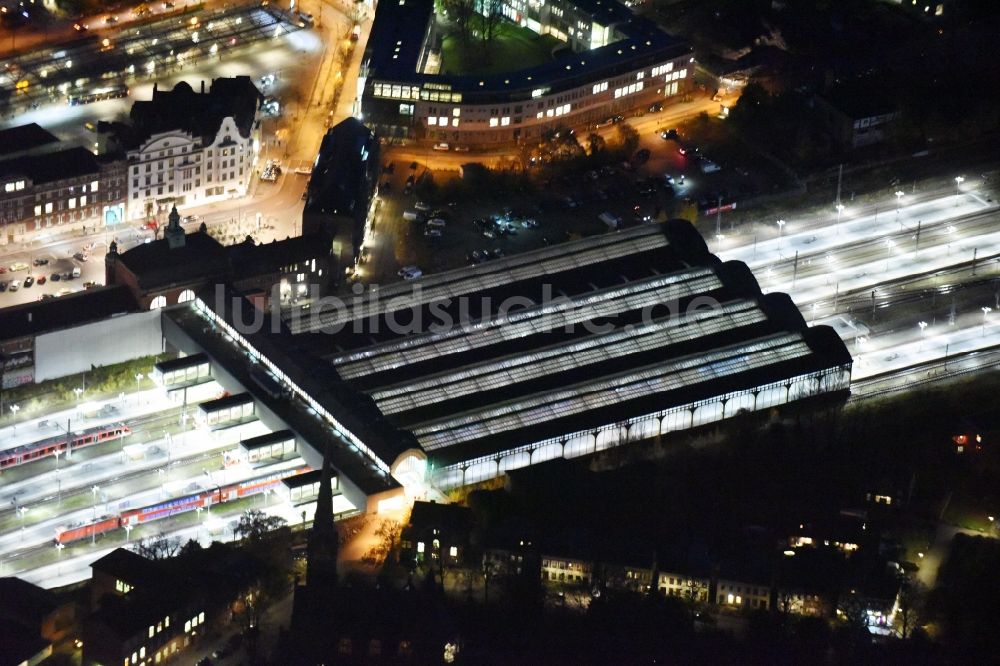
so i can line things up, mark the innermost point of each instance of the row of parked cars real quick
(14, 285)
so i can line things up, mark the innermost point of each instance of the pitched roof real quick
(129, 567)
(156, 265)
(198, 114)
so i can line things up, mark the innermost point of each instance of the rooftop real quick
(339, 174)
(24, 138)
(49, 167)
(404, 26)
(198, 114)
(601, 330)
(65, 312)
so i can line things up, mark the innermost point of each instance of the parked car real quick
(3, 286)
(441, 146)
(28, 281)
(55, 277)
(656, 108)
(40, 262)
(433, 232)
(14, 286)
(40, 279)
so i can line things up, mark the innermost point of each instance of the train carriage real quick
(60, 443)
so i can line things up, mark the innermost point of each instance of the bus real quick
(98, 95)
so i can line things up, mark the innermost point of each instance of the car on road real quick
(422, 206)
(189, 219)
(40, 262)
(46, 297)
(40, 279)
(111, 20)
(433, 232)
(28, 281)
(413, 275)
(406, 269)
(442, 146)
(14, 286)
(669, 134)
(55, 277)
(461, 149)
(81, 27)
(80, 256)
(18, 266)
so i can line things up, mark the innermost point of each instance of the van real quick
(411, 215)
(613, 221)
(75, 272)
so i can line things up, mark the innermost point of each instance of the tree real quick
(254, 525)
(461, 12)
(596, 144)
(492, 17)
(628, 139)
(158, 547)
(912, 598)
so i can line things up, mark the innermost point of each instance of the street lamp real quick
(888, 247)
(138, 378)
(923, 327)
(840, 209)
(93, 491)
(128, 532)
(781, 225)
(899, 196)
(986, 311)
(14, 409)
(958, 184)
(78, 391)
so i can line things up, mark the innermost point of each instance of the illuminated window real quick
(158, 302)
(456, 112)
(453, 551)
(505, 121)
(406, 109)
(432, 120)
(187, 626)
(71, 203)
(443, 121)
(83, 200)
(420, 546)
(201, 617)
(640, 75)
(93, 186)
(38, 210)
(48, 207)
(600, 87)
(494, 122)
(539, 114)
(150, 635)
(454, 122)
(142, 652)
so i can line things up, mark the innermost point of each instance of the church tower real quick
(321, 553)
(174, 233)
(110, 264)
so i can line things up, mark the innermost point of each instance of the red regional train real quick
(47, 447)
(217, 495)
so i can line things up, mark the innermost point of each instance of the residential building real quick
(437, 533)
(857, 115)
(186, 148)
(613, 62)
(66, 190)
(341, 192)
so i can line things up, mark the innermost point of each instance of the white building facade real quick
(177, 168)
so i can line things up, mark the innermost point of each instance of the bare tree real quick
(461, 12)
(158, 547)
(491, 18)
(912, 598)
